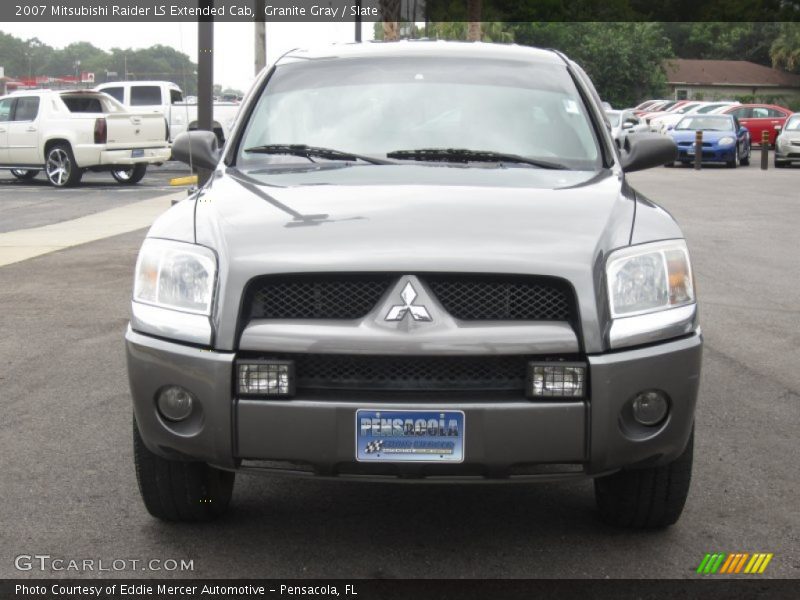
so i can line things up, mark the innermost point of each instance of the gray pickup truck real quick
(417, 262)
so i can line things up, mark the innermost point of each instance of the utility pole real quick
(358, 21)
(260, 37)
(205, 77)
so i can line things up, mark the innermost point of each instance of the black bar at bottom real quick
(707, 587)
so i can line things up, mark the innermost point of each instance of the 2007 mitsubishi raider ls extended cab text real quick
(417, 262)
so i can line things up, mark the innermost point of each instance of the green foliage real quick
(492, 31)
(30, 58)
(624, 59)
(723, 41)
(785, 50)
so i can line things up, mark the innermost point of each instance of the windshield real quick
(706, 123)
(793, 123)
(374, 106)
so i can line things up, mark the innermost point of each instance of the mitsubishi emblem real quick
(418, 312)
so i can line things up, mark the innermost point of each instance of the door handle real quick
(2, 130)
(31, 129)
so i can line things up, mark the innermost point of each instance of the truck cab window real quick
(115, 92)
(145, 95)
(27, 109)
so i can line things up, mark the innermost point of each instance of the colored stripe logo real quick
(720, 563)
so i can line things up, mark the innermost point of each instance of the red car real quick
(759, 118)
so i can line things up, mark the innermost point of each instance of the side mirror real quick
(648, 150)
(198, 148)
(627, 125)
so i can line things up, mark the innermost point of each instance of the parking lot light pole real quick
(260, 37)
(764, 150)
(698, 149)
(205, 77)
(358, 21)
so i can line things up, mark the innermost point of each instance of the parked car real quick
(467, 291)
(655, 119)
(787, 144)
(724, 139)
(624, 123)
(654, 106)
(663, 123)
(669, 108)
(646, 104)
(166, 98)
(759, 118)
(66, 133)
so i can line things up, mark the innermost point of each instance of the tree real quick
(785, 50)
(625, 60)
(723, 41)
(474, 19)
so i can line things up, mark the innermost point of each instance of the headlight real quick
(649, 278)
(175, 275)
(726, 141)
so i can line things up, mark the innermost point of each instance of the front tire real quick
(779, 164)
(650, 498)
(174, 490)
(60, 166)
(734, 162)
(130, 176)
(746, 160)
(24, 175)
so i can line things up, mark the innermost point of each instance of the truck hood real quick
(410, 219)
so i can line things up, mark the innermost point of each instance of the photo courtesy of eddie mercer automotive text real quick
(417, 262)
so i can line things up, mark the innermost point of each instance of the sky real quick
(234, 54)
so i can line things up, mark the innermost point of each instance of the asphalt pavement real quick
(68, 488)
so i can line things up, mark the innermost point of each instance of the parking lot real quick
(69, 488)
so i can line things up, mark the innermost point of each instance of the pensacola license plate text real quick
(410, 436)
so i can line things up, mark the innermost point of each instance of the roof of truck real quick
(412, 48)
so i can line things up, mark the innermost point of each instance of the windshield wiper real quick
(464, 155)
(313, 151)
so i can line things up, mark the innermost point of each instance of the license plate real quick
(410, 436)
(138, 153)
(690, 151)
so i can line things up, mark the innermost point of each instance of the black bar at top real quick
(426, 10)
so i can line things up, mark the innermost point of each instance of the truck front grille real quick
(339, 296)
(473, 297)
(407, 373)
(501, 297)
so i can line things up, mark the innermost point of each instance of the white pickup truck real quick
(166, 98)
(66, 133)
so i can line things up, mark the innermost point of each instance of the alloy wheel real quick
(58, 167)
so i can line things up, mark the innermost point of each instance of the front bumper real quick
(709, 154)
(787, 153)
(507, 440)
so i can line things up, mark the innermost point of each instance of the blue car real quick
(724, 139)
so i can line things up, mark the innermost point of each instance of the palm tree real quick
(390, 12)
(474, 18)
(785, 50)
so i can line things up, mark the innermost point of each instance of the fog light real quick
(650, 408)
(556, 380)
(175, 403)
(266, 378)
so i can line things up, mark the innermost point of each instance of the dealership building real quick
(729, 80)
